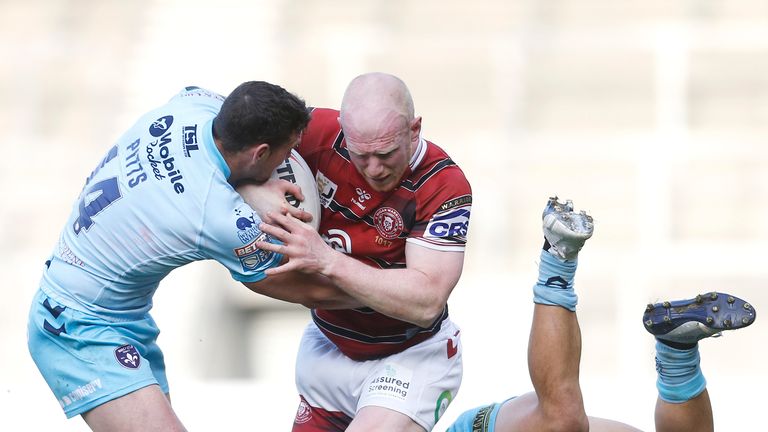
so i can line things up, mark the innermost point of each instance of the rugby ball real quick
(296, 171)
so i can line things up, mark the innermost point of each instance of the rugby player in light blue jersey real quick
(160, 198)
(554, 348)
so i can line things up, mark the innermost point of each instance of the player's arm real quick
(229, 233)
(310, 290)
(415, 294)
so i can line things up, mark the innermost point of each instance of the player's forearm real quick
(312, 291)
(405, 294)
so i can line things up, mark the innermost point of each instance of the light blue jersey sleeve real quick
(229, 233)
(156, 200)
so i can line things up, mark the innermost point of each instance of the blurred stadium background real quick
(651, 115)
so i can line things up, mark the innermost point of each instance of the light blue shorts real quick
(87, 360)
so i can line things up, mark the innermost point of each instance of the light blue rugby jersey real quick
(158, 199)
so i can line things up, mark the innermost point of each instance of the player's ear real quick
(260, 151)
(415, 129)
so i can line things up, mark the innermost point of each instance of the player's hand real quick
(305, 249)
(269, 197)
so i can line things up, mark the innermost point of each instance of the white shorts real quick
(419, 382)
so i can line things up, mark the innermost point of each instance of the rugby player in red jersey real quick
(395, 213)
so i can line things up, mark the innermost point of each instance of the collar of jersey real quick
(418, 155)
(213, 152)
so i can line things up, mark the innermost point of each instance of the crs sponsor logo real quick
(326, 188)
(388, 222)
(453, 223)
(160, 126)
(338, 240)
(189, 133)
(252, 257)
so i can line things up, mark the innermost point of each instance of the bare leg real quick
(378, 419)
(693, 415)
(147, 409)
(554, 354)
(554, 346)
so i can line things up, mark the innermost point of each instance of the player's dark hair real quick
(259, 112)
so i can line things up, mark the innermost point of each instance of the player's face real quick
(274, 157)
(383, 160)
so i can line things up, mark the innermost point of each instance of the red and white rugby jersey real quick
(431, 207)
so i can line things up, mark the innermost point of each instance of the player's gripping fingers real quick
(283, 268)
(275, 230)
(292, 189)
(271, 247)
(298, 213)
(286, 221)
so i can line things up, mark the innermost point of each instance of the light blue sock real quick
(679, 375)
(555, 284)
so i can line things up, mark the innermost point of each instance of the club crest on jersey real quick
(304, 413)
(160, 126)
(252, 257)
(247, 228)
(388, 222)
(326, 188)
(128, 357)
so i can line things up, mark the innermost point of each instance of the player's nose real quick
(375, 168)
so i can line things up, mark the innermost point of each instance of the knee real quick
(569, 421)
(567, 415)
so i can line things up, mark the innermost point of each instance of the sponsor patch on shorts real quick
(393, 381)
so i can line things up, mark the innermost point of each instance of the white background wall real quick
(651, 115)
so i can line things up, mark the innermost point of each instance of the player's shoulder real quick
(436, 166)
(322, 132)
(195, 94)
(323, 120)
(320, 115)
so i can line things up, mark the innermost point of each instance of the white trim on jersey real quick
(420, 241)
(418, 155)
